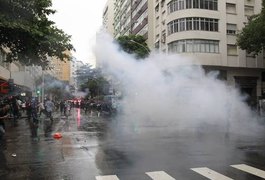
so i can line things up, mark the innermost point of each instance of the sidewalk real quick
(19, 152)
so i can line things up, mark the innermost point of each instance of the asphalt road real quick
(109, 149)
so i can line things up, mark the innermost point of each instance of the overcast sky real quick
(81, 19)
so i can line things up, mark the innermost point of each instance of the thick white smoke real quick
(170, 91)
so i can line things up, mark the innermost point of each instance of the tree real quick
(83, 72)
(134, 44)
(28, 35)
(252, 36)
(97, 86)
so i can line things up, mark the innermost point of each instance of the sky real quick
(81, 19)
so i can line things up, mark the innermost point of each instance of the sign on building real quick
(4, 87)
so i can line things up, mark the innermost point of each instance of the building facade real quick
(61, 69)
(75, 65)
(23, 77)
(205, 31)
(202, 30)
(108, 17)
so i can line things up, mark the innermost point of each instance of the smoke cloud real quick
(170, 91)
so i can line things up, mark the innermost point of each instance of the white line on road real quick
(159, 175)
(251, 170)
(111, 177)
(210, 174)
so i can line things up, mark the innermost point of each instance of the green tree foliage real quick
(29, 35)
(134, 44)
(252, 36)
(97, 86)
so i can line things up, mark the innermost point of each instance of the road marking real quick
(210, 174)
(111, 177)
(251, 170)
(159, 175)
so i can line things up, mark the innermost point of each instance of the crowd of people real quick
(30, 108)
(13, 107)
(99, 106)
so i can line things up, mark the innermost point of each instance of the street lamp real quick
(140, 45)
(42, 87)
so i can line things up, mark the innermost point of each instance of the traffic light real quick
(38, 92)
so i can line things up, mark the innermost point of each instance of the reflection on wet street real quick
(93, 146)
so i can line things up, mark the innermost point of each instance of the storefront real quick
(4, 87)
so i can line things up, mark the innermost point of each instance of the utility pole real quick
(42, 87)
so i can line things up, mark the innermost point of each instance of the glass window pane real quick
(195, 3)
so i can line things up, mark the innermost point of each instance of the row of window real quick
(192, 23)
(194, 46)
(176, 5)
(202, 46)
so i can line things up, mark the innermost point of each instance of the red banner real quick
(4, 87)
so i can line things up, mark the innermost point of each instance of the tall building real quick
(203, 30)
(108, 17)
(133, 17)
(62, 69)
(75, 65)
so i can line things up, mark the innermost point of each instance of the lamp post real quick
(140, 45)
(42, 90)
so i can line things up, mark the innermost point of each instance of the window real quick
(182, 24)
(188, 4)
(189, 24)
(176, 5)
(231, 29)
(194, 46)
(203, 24)
(192, 23)
(181, 4)
(196, 4)
(196, 24)
(249, 10)
(231, 50)
(231, 8)
(189, 45)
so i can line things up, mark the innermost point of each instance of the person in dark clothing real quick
(28, 108)
(62, 107)
(34, 120)
(4, 114)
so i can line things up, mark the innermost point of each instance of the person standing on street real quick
(41, 108)
(49, 108)
(62, 107)
(3, 116)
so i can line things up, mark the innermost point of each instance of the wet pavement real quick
(94, 146)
